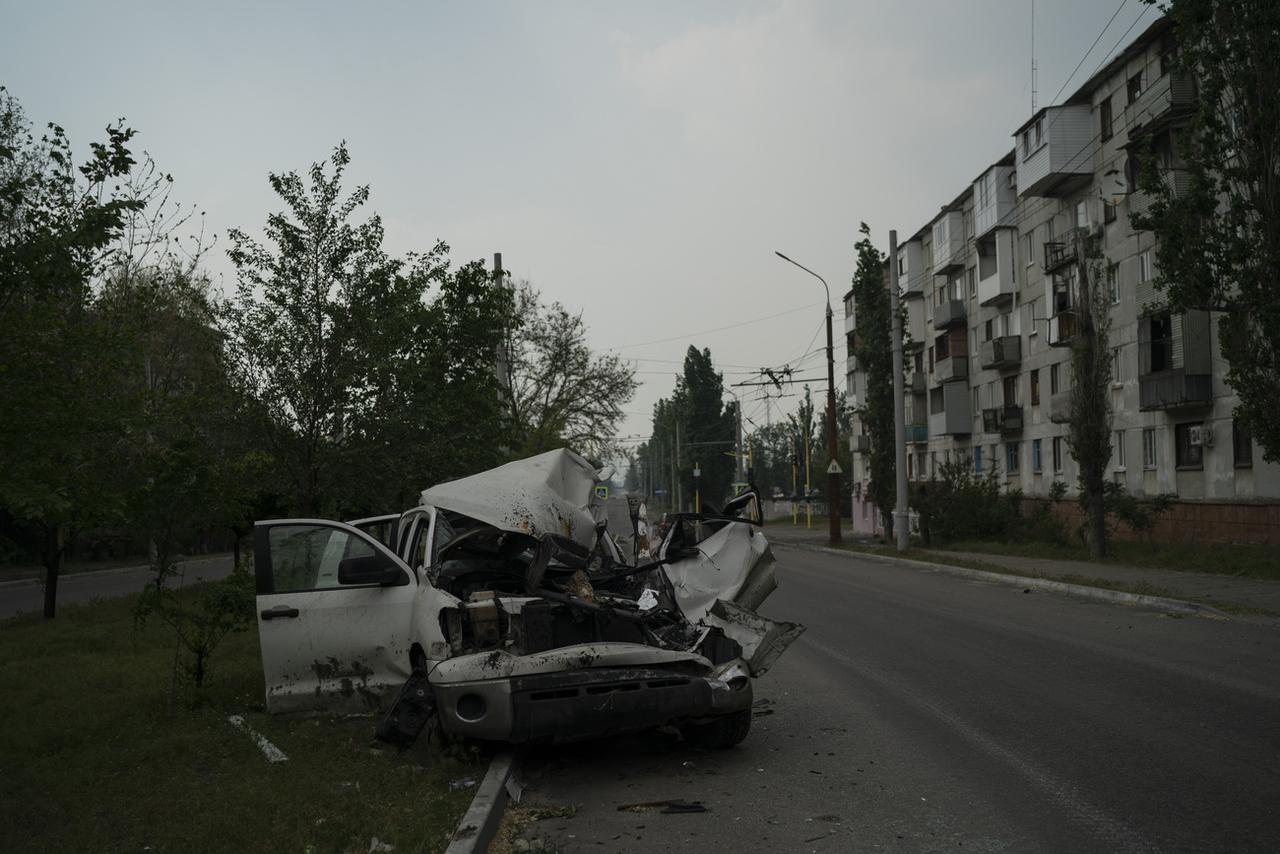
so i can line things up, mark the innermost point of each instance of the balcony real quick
(996, 283)
(949, 313)
(850, 323)
(860, 444)
(912, 273)
(917, 433)
(1168, 97)
(915, 327)
(1002, 352)
(917, 383)
(995, 197)
(1182, 384)
(949, 410)
(948, 242)
(1062, 252)
(1060, 407)
(1055, 151)
(951, 368)
(1063, 328)
(1006, 420)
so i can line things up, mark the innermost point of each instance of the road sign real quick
(697, 472)
(834, 468)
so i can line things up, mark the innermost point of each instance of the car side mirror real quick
(370, 569)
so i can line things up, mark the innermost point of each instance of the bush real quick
(960, 504)
(200, 616)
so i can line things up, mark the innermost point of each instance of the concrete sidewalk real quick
(1225, 589)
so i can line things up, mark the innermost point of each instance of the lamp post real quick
(833, 469)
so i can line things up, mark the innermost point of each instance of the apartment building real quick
(990, 290)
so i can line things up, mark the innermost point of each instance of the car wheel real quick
(721, 733)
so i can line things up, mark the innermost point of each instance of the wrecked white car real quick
(502, 606)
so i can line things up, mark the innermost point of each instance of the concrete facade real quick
(989, 291)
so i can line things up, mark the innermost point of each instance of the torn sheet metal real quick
(762, 639)
(552, 493)
(733, 563)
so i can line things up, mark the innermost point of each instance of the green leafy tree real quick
(59, 223)
(1215, 199)
(559, 392)
(875, 356)
(1089, 433)
(370, 389)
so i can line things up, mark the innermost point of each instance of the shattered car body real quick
(506, 598)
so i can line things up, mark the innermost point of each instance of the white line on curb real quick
(273, 753)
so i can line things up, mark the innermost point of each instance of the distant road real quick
(82, 587)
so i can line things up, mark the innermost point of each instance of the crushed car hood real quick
(552, 493)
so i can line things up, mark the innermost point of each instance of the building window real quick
(1189, 451)
(1039, 132)
(973, 282)
(1011, 391)
(977, 460)
(1113, 284)
(1117, 375)
(1053, 379)
(933, 464)
(1035, 456)
(1144, 266)
(1150, 451)
(986, 331)
(930, 360)
(1035, 387)
(1011, 457)
(1241, 445)
(1135, 87)
(1109, 211)
(1117, 449)
(1057, 455)
(1105, 110)
(1028, 250)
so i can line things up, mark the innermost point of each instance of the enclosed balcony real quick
(1055, 151)
(1063, 328)
(949, 410)
(912, 273)
(860, 444)
(948, 242)
(1002, 352)
(916, 329)
(1006, 420)
(951, 368)
(1174, 361)
(1168, 97)
(917, 383)
(995, 194)
(996, 266)
(917, 433)
(949, 313)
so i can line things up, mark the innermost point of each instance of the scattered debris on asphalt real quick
(669, 807)
(461, 783)
(377, 846)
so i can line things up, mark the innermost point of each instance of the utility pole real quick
(833, 467)
(675, 471)
(901, 521)
(808, 486)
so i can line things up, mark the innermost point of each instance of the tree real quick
(874, 353)
(1215, 207)
(59, 422)
(559, 392)
(1089, 434)
(369, 390)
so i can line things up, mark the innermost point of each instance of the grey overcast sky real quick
(638, 161)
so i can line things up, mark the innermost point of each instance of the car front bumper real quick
(573, 705)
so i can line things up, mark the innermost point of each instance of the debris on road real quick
(461, 783)
(669, 807)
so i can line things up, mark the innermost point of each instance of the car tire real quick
(720, 734)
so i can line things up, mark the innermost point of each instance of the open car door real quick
(334, 608)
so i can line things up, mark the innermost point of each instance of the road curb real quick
(66, 577)
(1143, 600)
(480, 822)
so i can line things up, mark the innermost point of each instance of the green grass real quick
(1243, 560)
(1140, 588)
(92, 759)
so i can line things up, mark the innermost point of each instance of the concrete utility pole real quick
(901, 519)
(833, 467)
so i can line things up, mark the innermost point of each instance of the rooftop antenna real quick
(1033, 57)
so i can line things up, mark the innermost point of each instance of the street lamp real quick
(833, 469)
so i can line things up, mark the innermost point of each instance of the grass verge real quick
(92, 758)
(1141, 588)
(1243, 560)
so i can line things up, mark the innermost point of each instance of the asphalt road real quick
(926, 712)
(84, 587)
